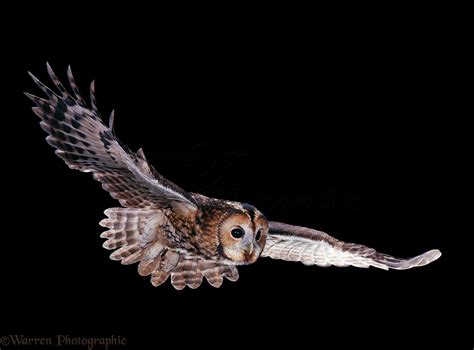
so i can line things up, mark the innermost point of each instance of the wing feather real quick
(311, 247)
(137, 236)
(85, 143)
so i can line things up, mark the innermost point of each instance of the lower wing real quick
(311, 247)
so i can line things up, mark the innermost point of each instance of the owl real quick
(172, 233)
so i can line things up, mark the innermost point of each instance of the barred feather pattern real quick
(136, 235)
(132, 232)
(83, 141)
(311, 247)
(185, 270)
(171, 232)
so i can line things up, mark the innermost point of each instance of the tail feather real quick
(167, 262)
(190, 273)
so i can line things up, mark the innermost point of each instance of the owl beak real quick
(249, 248)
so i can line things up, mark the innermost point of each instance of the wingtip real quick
(418, 261)
(30, 96)
(50, 70)
(32, 76)
(405, 264)
(431, 255)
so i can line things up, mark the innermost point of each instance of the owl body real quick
(172, 233)
(207, 233)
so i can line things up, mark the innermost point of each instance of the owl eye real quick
(237, 233)
(258, 235)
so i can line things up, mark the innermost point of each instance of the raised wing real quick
(311, 247)
(82, 140)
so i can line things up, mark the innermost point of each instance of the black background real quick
(327, 126)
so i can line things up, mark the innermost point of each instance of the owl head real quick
(242, 233)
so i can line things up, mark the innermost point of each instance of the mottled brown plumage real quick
(170, 232)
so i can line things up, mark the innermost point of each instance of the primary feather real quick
(170, 232)
(84, 142)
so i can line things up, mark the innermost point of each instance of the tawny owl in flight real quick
(169, 231)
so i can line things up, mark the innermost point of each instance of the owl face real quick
(242, 235)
